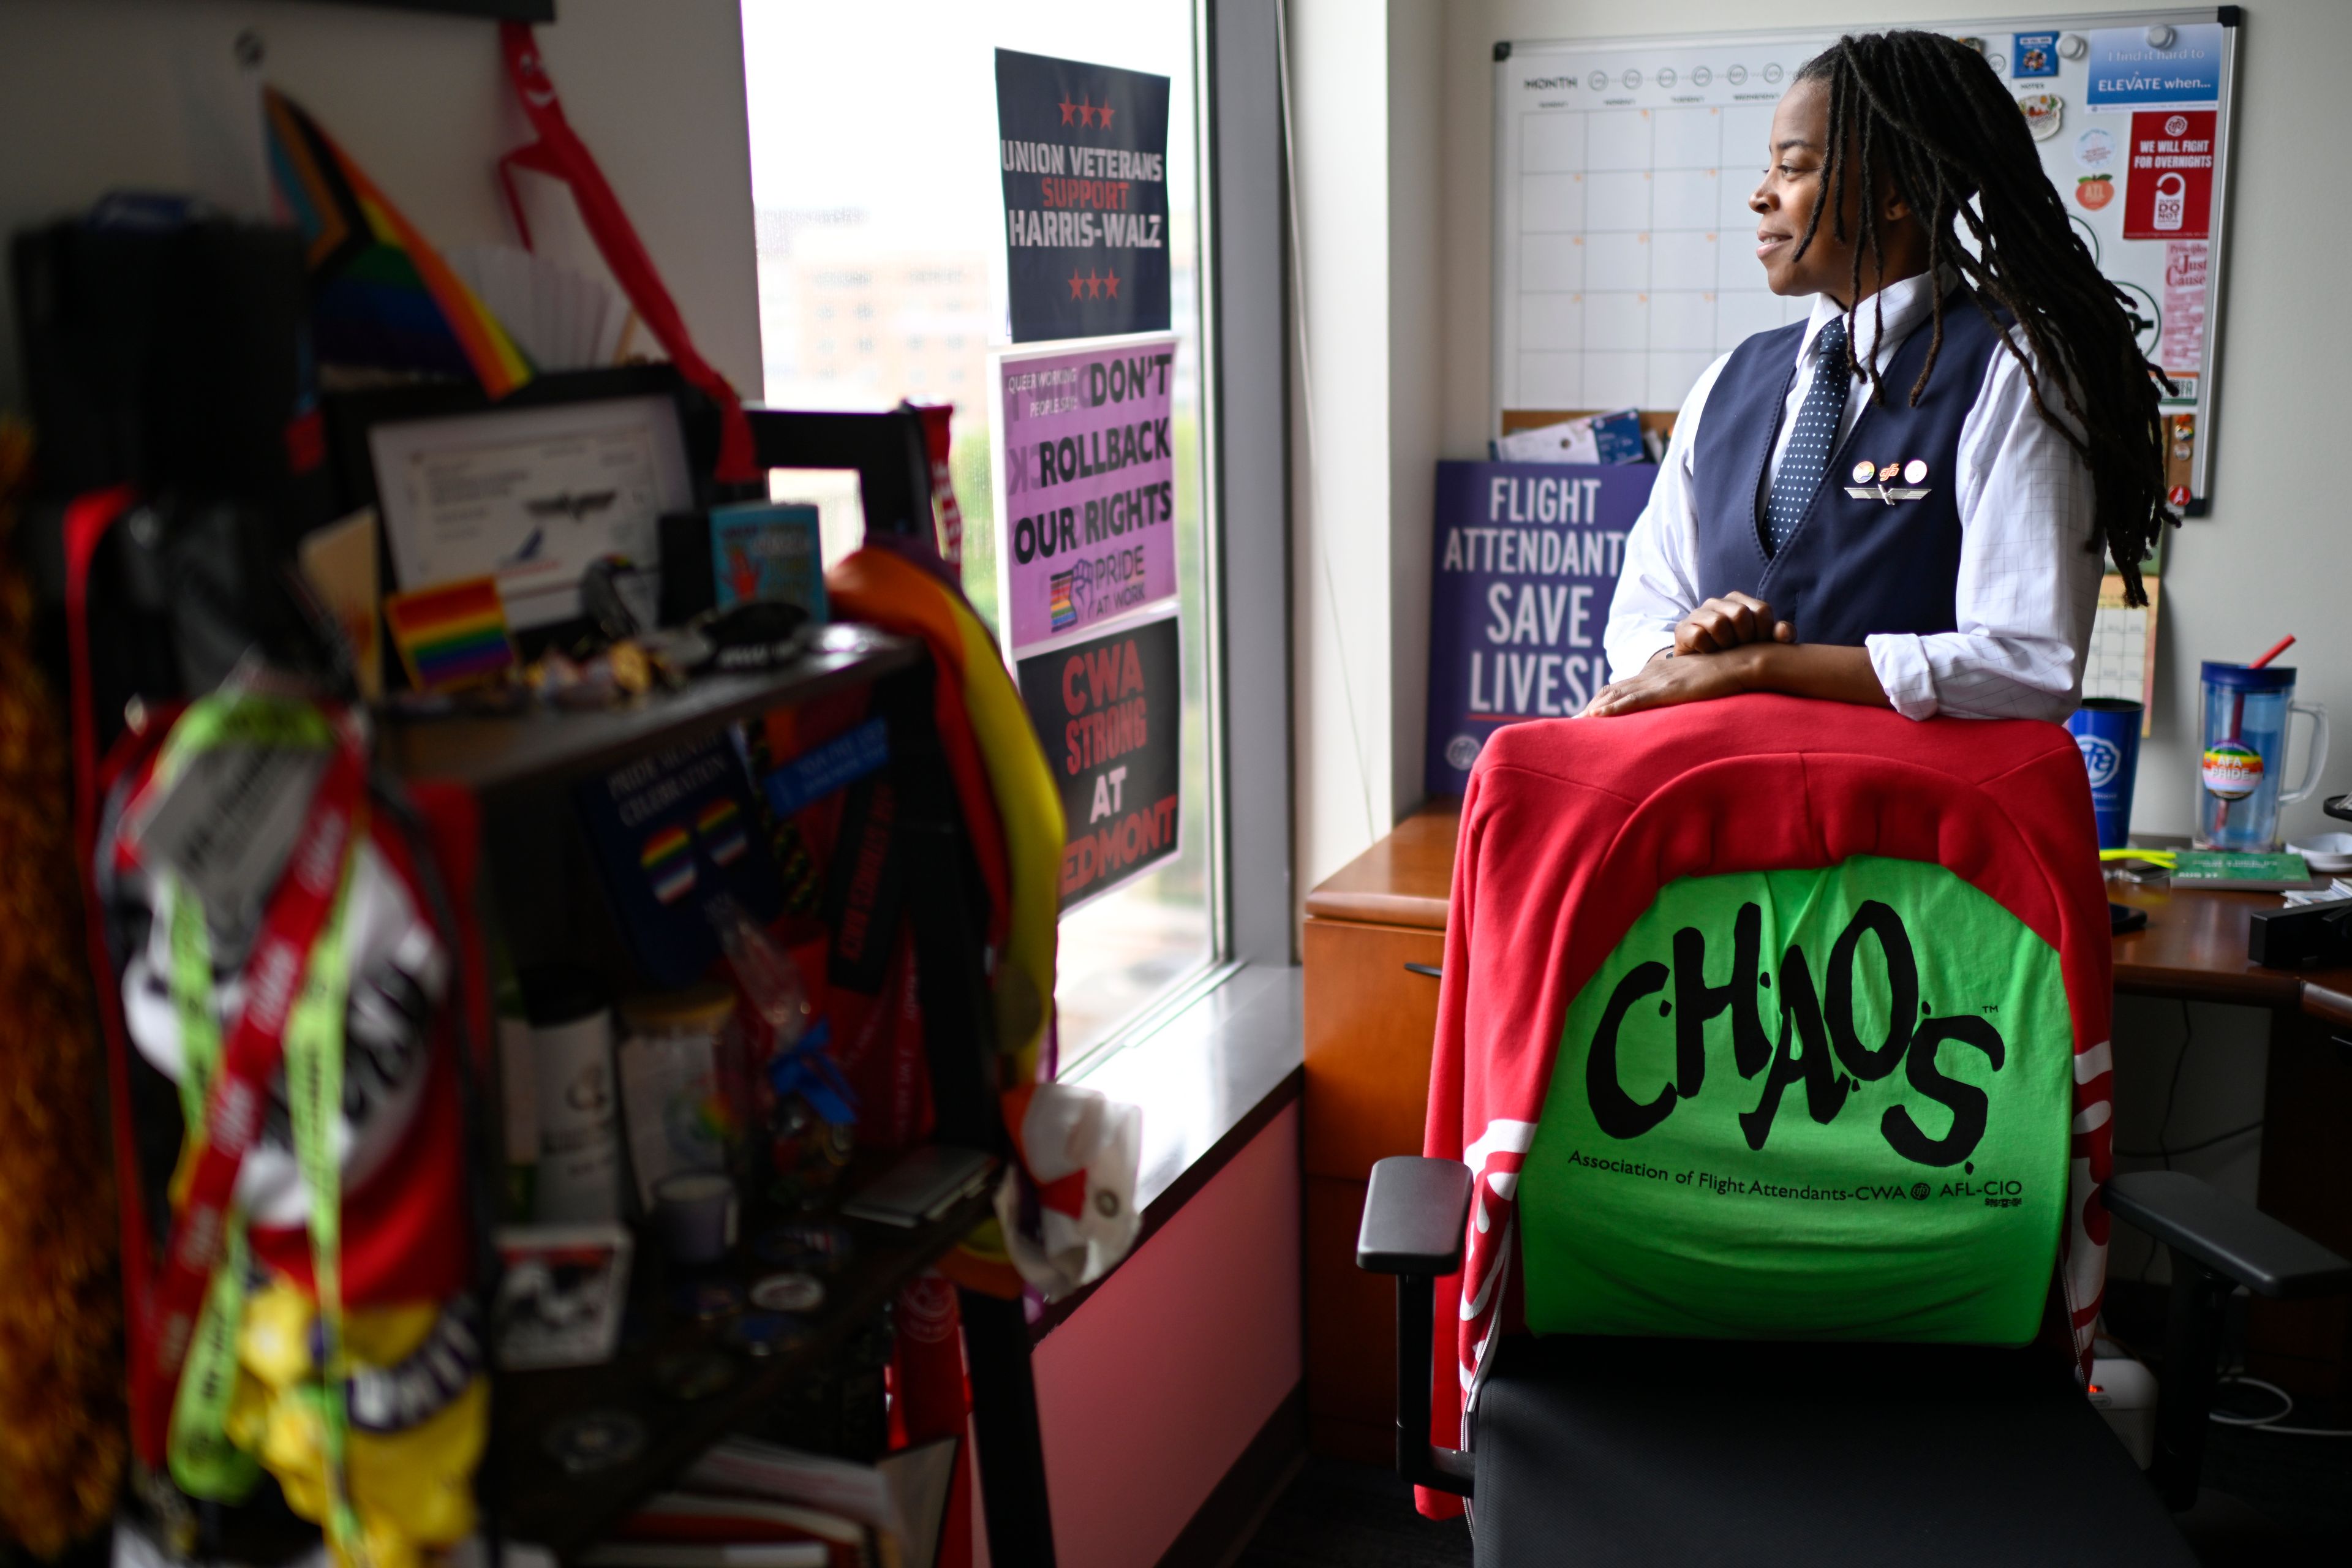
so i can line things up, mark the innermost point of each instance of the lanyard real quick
(204, 1462)
(558, 151)
(298, 912)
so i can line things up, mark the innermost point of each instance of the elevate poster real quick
(1084, 466)
(1083, 151)
(1110, 712)
(1525, 557)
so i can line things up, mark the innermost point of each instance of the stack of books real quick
(747, 1504)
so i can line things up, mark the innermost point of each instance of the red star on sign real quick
(1094, 284)
(1085, 111)
(1069, 109)
(1104, 112)
(1077, 285)
(1110, 285)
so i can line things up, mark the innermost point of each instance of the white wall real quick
(97, 95)
(2274, 555)
(1368, 128)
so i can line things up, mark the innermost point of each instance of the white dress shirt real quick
(2028, 586)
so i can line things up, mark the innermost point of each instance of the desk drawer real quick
(1370, 1025)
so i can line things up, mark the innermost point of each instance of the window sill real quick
(1210, 1079)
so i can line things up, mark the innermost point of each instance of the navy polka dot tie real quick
(1812, 442)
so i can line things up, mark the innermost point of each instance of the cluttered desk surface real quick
(2193, 946)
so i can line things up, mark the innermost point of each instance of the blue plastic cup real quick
(2106, 732)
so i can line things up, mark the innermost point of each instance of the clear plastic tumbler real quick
(2242, 759)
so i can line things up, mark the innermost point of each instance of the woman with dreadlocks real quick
(1902, 500)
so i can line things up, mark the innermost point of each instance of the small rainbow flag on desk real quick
(452, 635)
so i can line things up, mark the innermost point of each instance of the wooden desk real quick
(2194, 948)
(1368, 1023)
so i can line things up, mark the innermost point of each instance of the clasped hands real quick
(1716, 654)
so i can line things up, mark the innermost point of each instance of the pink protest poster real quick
(1086, 485)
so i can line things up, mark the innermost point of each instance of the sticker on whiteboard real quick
(2180, 347)
(2096, 149)
(2037, 55)
(2128, 72)
(2094, 190)
(2044, 112)
(2170, 192)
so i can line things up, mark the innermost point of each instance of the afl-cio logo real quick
(2102, 756)
(1919, 1191)
(2176, 125)
(1461, 751)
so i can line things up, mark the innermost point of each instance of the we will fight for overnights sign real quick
(1525, 559)
(1083, 444)
(1083, 151)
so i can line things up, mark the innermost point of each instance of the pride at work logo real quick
(1061, 606)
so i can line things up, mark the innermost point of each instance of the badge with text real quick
(1085, 450)
(1109, 711)
(1525, 559)
(1083, 151)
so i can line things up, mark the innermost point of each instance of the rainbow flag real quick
(451, 635)
(380, 295)
(668, 862)
(720, 826)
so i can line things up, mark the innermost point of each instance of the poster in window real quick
(1084, 466)
(1083, 151)
(1110, 712)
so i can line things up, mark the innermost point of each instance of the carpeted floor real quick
(2274, 1502)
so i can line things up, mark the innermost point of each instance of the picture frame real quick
(530, 489)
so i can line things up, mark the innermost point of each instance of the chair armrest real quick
(1416, 1211)
(2232, 1237)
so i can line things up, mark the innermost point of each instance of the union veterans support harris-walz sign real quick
(1083, 151)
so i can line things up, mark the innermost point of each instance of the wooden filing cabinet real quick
(1369, 1022)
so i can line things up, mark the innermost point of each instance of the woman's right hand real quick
(1721, 624)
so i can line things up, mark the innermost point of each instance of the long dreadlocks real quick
(1926, 112)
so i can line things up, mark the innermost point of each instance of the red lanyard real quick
(274, 977)
(560, 152)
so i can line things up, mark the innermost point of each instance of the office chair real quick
(1767, 1184)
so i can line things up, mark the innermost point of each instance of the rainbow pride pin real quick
(720, 826)
(668, 862)
(451, 635)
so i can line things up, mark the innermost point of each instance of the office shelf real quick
(539, 1500)
(492, 753)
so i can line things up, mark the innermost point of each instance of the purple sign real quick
(1085, 478)
(1525, 560)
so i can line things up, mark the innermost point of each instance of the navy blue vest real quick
(1854, 566)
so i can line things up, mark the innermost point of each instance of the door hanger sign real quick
(1110, 712)
(2170, 192)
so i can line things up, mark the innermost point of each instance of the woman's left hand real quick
(1663, 682)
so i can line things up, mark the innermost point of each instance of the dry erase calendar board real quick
(1623, 256)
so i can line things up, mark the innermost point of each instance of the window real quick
(899, 222)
